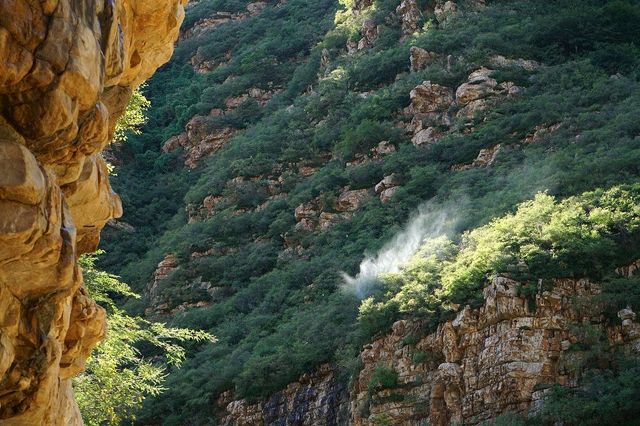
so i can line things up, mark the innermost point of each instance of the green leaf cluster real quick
(118, 378)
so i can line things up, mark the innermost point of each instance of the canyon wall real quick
(502, 357)
(67, 70)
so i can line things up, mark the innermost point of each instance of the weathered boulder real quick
(388, 193)
(479, 85)
(256, 7)
(350, 200)
(419, 58)
(369, 33)
(444, 10)
(306, 211)
(383, 148)
(262, 96)
(473, 109)
(429, 97)
(327, 220)
(388, 182)
(305, 225)
(500, 61)
(67, 70)
(410, 16)
(481, 92)
(540, 132)
(198, 140)
(212, 143)
(426, 136)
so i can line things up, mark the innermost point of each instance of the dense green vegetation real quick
(606, 396)
(117, 378)
(585, 236)
(284, 312)
(382, 378)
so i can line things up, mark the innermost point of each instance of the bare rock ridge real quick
(67, 70)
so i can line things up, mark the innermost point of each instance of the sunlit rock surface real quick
(67, 70)
(503, 356)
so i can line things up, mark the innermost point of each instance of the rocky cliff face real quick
(503, 356)
(315, 399)
(66, 74)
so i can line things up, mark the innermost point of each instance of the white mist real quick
(429, 222)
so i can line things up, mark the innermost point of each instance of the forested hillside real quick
(289, 141)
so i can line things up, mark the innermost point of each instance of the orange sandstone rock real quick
(67, 70)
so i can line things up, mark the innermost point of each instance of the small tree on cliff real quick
(118, 378)
(134, 116)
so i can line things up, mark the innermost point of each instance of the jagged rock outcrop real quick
(500, 357)
(500, 61)
(351, 199)
(218, 18)
(503, 356)
(387, 187)
(429, 113)
(315, 399)
(261, 96)
(486, 157)
(369, 33)
(443, 10)
(198, 140)
(410, 16)
(201, 138)
(426, 136)
(375, 154)
(429, 97)
(479, 85)
(67, 70)
(166, 266)
(540, 132)
(315, 214)
(419, 58)
(481, 91)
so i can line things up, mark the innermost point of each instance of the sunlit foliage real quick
(118, 378)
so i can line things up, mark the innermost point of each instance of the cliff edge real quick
(67, 70)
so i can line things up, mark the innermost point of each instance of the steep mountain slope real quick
(290, 140)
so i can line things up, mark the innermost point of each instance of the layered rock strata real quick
(315, 399)
(481, 364)
(501, 357)
(67, 70)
